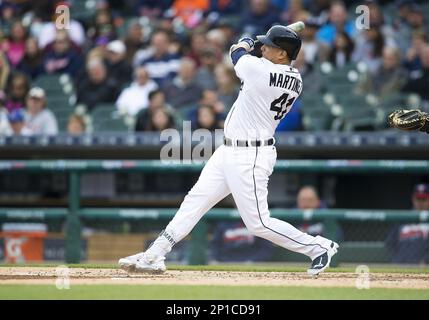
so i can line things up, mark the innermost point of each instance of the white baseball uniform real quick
(266, 96)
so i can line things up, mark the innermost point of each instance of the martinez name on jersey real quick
(285, 81)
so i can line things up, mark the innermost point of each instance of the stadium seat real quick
(317, 119)
(83, 10)
(105, 117)
(58, 102)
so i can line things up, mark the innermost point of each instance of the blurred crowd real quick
(161, 62)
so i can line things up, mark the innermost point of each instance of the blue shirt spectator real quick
(337, 21)
(226, 7)
(293, 120)
(259, 18)
(183, 91)
(31, 63)
(409, 243)
(232, 242)
(161, 64)
(63, 57)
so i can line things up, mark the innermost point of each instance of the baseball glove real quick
(409, 120)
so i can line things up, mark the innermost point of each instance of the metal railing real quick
(74, 212)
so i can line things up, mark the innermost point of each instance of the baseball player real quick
(243, 164)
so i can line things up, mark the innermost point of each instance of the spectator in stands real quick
(76, 125)
(388, 79)
(96, 87)
(416, 18)
(337, 22)
(32, 62)
(293, 121)
(17, 123)
(8, 15)
(412, 60)
(259, 17)
(319, 8)
(183, 91)
(418, 81)
(153, 8)
(38, 119)
(342, 50)
(5, 128)
(14, 46)
(315, 50)
(377, 19)
(134, 41)
(4, 71)
(309, 73)
(103, 29)
(16, 91)
(232, 242)
(48, 32)
(117, 67)
(62, 57)
(136, 96)
(369, 49)
(308, 199)
(222, 8)
(218, 39)
(206, 119)
(228, 27)
(156, 101)
(198, 45)
(205, 75)
(228, 85)
(211, 97)
(159, 62)
(409, 243)
(159, 120)
(294, 11)
(222, 11)
(400, 24)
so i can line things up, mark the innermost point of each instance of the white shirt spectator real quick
(5, 129)
(43, 123)
(135, 97)
(48, 31)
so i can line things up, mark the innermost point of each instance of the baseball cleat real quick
(150, 264)
(320, 263)
(129, 263)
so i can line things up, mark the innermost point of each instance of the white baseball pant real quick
(244, 172)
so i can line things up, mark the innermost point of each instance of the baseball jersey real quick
(267, 94)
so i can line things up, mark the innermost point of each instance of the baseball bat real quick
(297, 26)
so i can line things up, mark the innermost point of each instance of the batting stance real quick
(243, 164)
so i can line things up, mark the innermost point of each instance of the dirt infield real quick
(48, 275)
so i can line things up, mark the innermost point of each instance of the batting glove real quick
(249, 41)
(246, 43)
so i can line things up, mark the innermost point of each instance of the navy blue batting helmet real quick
(283, 38)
